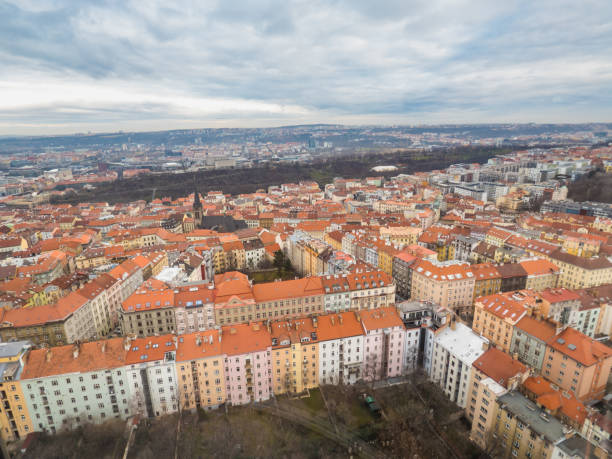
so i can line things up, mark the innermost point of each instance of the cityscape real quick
(305, 229)
(484, 279)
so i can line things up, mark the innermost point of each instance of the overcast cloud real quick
(75, 66)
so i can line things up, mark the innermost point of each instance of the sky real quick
(69, 66)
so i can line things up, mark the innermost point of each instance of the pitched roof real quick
(308, 286)
(198, 345)
(150, 349)
(245, 338)
(341, 325)
(499, 366)
(541, 329)
(502, 307)
(539, 267)
(375, 319)
(92, 356)
(580, 347)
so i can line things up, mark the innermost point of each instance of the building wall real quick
(529, 349)
(201, 383)
(238, 389)
(67, 401)
(15, 422)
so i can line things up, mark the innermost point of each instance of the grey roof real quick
(12, 348)
(576, 446)
(533, 416)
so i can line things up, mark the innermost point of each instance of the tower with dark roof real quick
(197, 208)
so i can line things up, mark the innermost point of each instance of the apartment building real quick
(449, 284)
(580, 272)
(130, 277)
(487, 279)
(449, 354)
(292, 298)
(234, 300)
(560, 403)
(530, 338)
(495, 317)
(194, 307)
(578, 363)
(68, 386)
(541, 274)
(341, 350)
(402, 274)
(513, 277)
(383, 343)
(66, 321)
(248, 367)
(149, 310)
(522, 429)
(493, 374)
(357, 290)
(294, 356)
(15, 422)
(151, 375)
(200, 370)
(560, 305)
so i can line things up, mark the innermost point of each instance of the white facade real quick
(151, 375)
(341, 360)
(411, 350)
(68, 400)
(448, 357)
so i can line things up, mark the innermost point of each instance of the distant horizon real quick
(77, 66)
(287, 126)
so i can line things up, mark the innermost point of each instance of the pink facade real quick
(247, 377)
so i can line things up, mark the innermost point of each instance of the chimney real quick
(75, 351)
(103, 347)
(332, 320)
(220, 334)
(340, 319)
(48, 355)
(485, 346)
(126, 343)
(198, 340)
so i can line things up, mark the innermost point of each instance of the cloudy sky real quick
(75, 66)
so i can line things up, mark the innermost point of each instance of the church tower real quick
(197, 208)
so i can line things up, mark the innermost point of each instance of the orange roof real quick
(483, 271)
(580, 347)
(502, 307)
(288, 289)
(499, 366)
(198, 345)
(92, 356)
(245, 338)
(443, 273)
(341, 325)
(558, 295)
(552, 398)
(376, 319)
(541, 329)
(286, 332)
(232, 284)
(150, 349)
(38, 315)
(539, 267)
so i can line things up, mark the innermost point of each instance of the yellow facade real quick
(15, 422)
(581, 247)
(295, 368)
(385, 261)
(201, 383)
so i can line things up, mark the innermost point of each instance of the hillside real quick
(236, 181)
